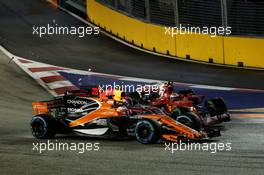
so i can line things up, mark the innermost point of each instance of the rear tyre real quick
(191, 120)
(147, 132)
(43, 126)
(216, 106)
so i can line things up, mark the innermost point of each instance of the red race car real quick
(185, 106)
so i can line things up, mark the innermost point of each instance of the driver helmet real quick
(174, 97)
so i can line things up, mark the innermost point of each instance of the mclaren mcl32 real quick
(95, 117)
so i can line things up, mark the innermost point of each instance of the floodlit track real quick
(114, 157)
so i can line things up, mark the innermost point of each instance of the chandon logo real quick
(77, 102)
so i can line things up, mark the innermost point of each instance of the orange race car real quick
(96, 117)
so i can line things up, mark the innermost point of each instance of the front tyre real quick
(43, 126)
(147, 132)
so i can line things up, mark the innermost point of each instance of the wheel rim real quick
(144, 132)
(38, 127)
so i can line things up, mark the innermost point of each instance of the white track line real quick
(213, 87)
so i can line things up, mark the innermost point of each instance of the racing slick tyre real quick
(176, 112)
(216, 106)
(191, 120)
(43, 126)
(147, 132)
(135, 97)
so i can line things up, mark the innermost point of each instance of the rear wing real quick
(70, 102)
(45, 107)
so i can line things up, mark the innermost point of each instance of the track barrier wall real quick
(143, 22)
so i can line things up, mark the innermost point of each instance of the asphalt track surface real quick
(114, 157)
(101, 53)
